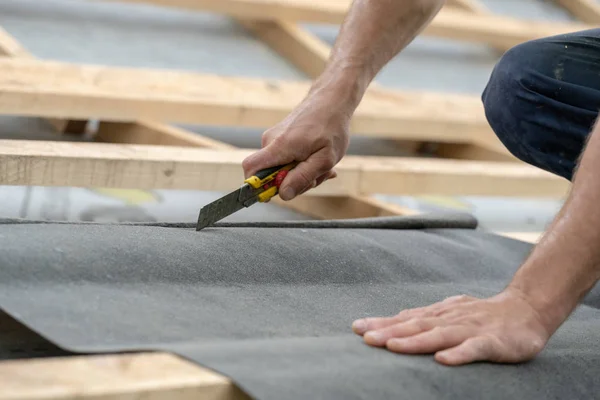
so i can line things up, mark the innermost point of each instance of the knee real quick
(505, 99)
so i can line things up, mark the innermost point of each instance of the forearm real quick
(373, 32)
(565, 265)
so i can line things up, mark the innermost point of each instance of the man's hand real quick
(460, 330)
(315, 134)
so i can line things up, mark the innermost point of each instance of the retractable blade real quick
(258, 188)
(226, 205)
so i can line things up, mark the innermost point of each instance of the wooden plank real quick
(341, 207)
(154, 133)
(498, 31)
(457, 177)
(473, 152)
(54, 89)
(585, 10)
(132, 167)
(151, 376)
(530, 237)
(473, 6)
(304, 50)
(10, 47)
(495, 30)
(159, 167)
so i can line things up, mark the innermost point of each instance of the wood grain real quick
(154, 133)
(54, 89)
(10, 47)
(159, 167)
(148, 376)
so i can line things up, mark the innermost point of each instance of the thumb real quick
(269, 156)
(300, 179)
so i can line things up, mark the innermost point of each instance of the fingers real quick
(401, 330)
(267, 157)
(462, 330)
(478, 348)
(438, 338)
(308, 174)
(328, 175)
(301, 178)
(312, 186)
(361, 326)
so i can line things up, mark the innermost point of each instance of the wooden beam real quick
(151, 376)
(341, 207)
(495, 30)
(154, 133)
(585, 10)
(304, 50)
(473, 6)
(498, 31)
(10, 47)
(160, 167)
(473, 152)
(53, 89)
(530, 237)
(457, 177)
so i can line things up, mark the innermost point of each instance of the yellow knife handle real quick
(265, 176)
(268, 194)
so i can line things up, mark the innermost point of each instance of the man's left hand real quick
(459, 330)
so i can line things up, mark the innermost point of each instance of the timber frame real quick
(138, 148)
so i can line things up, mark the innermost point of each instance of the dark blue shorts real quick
(543, 98)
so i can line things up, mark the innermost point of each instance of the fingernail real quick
(287, 193)
(359, 326)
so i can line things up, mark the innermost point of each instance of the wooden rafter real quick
(166, 167)
(341, 207)
(497, 31)
(113, 377)
(9, 47)
(53, 89)
(474, 152)
(585, 10)
(155, 133)
(468, 5)
(530, 237)
(304, 50)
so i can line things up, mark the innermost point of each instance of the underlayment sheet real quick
(271, 307)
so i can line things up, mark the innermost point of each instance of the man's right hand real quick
(315, 134)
